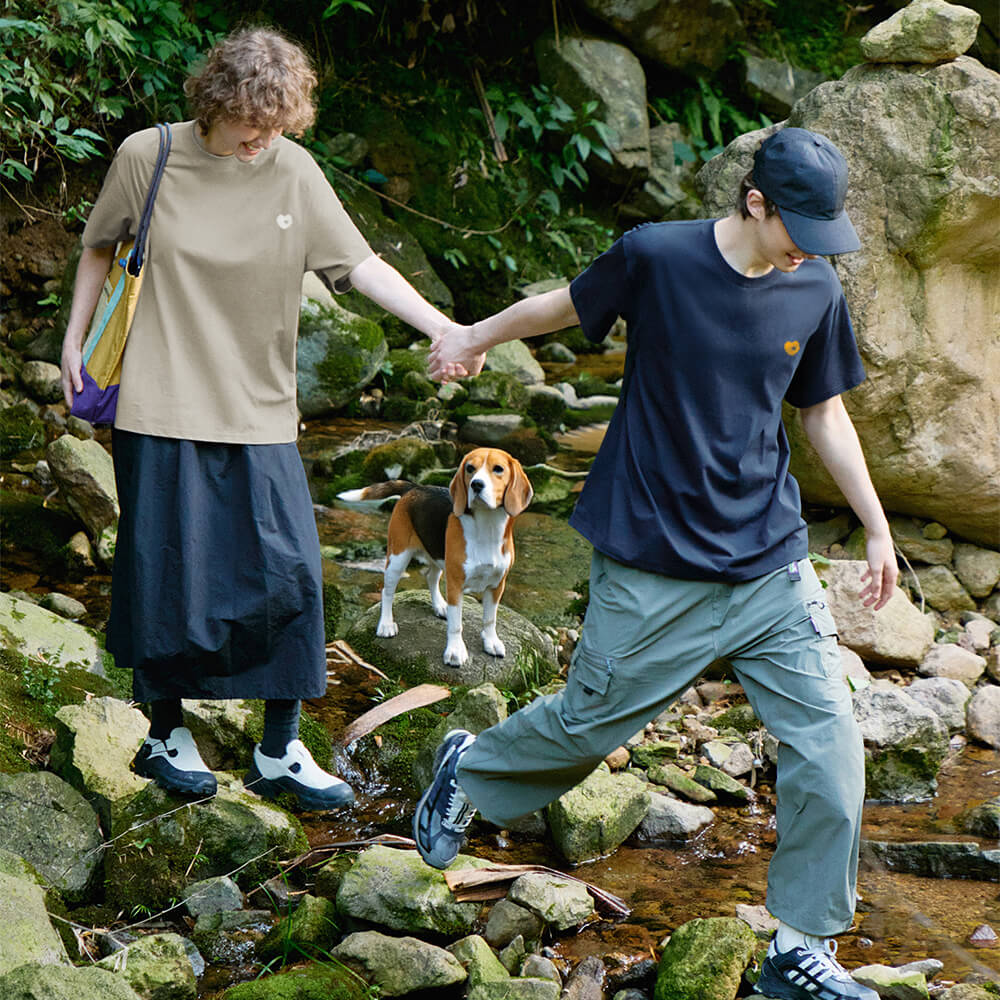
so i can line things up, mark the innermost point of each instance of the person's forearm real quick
(386, 287)
(529, 318)
(90, 274)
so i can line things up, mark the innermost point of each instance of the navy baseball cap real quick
(805, 175)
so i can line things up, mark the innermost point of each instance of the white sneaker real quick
(297, 774)
(175, 764)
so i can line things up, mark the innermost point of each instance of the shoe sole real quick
(195, 787)
(439, 756)
(271, 788)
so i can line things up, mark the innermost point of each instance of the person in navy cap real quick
(700, 549)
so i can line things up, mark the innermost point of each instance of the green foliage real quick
(40, 680)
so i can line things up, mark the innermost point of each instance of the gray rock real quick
(924, 31)
(949, 660)
(157, 967)
(212, 895)
(690, 37)
(516, 989)
(562, 903)
(983, 715)
(512, 955)
(672, 777)
(982, 820)
(47, 638)
(349, 147)
(309, 930)
(478, 960)
(594, 402)
(80, 553)
(514, 358)
(758, 920)
(735, 759)
(338, 351)
(822, 534)
(978, 569)
(582, 68)
(95, 743)
(980, 632)
(898, 634)
(917, 546)
(508, 920)
(593, 818)
(665, 193)
(854, 670)
(926, 966)
(422, 637)
(933, 859)
(486, 429)
(28, 935)
(946, 697)
(396, 889)
(64, 982)
(942, 590)
(556, 353)
(231, 938)
(539, 967)
(586, 981)
(721, 783)
(51, 825)
(705, 959)
(86, 478)
(893, 984)
(777, 84)
(400, 965)
(63, 605)
(669, 818)
(220, 730)
(905, 743)
(80, 428)
(43, 381)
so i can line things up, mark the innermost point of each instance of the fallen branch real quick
(418, 697)
(340, 653)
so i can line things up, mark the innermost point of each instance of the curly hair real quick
(257, 77)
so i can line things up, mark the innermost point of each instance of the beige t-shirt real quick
(211, 352)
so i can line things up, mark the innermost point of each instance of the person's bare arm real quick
(462, 348)
(831, 432)
(90, 274)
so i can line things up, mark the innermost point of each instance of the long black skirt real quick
(217, 581)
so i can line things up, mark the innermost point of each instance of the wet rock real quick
(689, 37)
(949, 660)
(157, 967)
(705, 959)
(720, 783)
(734, 759)
(593, 818)
(43, 381)
(516, 989)
(905, 743)
(311, 929)
(63, 605)
(982, 820)
(983, 715)
(629, 994)
(946, 697)
(629, 972)
(925, 31)
(478, 960)
(489, 429)
(399, 965)
(52, 826)
(95, 743)
(586, 981)
(581, 69)
(419, 647)
(556, 353)
(514, 358)
(776, 84)
(64, 982)
(546, 406)
(978, 569)
(928, 967)
(231, 938)
(212, 895)
(539, 967)
(892, 984)
(318, 981)
(933, 859)
(942, 590)
(508, 920)
(497, 388)
(405, 457)
(44, 637)
(561, 903)
(86, 478)
(898, 634)
(20, 428)
(968, 991)
(453, 394)
(28, 935)
(984, 937)
(397, 890)
(669, 818)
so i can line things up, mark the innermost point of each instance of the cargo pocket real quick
(587, 685)
(821, 617)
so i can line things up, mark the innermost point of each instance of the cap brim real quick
(824, 237)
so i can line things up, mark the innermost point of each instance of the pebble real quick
(984, 937)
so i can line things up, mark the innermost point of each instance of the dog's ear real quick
(518, 494)
(459, 490)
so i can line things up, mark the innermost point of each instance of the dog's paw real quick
(456, 655)
(493, 645)
(386, 630)
(441, 610)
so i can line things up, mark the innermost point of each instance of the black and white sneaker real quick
(809, 974)
(297, 774)
(444, 811)
(175, 764)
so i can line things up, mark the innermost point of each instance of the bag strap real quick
(134, 265)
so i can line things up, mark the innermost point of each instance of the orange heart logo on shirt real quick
(791, 347)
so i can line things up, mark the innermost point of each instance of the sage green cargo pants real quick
(646, 638)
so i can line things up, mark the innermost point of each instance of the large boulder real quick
(705, 959)
(924, 31)
(692, 36)
(921, 143)
(28, 935)
(85, 475)
(898, 634)
(776, 84)
(44, 637)
(51, 825)
(581, 68)
(64, 982)
(560, 902)
(338, 352)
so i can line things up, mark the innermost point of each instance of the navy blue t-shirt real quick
(692, 478)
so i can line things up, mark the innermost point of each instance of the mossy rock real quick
(309, 930)
(333, 606)
(37, 528)
(704, 960)
(594, 415)
(554, 493)
(404, 458)
(587, 384)
(547, 409)
(401, 362)
(738, 717)
(21, 430)
(527, 446)
(317, 981)
(497, 390)
(418, 386)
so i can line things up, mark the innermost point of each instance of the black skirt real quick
(217, 580)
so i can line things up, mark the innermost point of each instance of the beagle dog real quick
(464, 533)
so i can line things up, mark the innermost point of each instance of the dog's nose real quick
(477, 485)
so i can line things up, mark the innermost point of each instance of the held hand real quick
(451, 357)
(71, 364)
(881, 574)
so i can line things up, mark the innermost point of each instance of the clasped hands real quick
(451, 356)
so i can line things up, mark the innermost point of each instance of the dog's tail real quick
(379, 491)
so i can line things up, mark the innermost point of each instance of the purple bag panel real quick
(94, 403)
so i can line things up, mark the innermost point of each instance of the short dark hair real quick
(746, 186)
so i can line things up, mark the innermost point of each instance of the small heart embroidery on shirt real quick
(284, 221)
(791, 347)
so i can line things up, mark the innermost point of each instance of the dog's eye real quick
(498, 470)
(470, 469)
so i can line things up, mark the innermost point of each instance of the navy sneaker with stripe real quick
(809, 974)
(444, 811)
